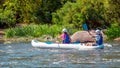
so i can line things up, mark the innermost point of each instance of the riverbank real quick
(2, 34)
(22, 39)
(28, 39)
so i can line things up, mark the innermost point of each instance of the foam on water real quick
(25, 56)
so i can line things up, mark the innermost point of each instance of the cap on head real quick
(64, 30)
(98, 31)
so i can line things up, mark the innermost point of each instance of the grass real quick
(36, 31)
(40, 32)
(28, 32)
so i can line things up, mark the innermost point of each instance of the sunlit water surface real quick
(23, 55)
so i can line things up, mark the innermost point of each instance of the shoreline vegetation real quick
(26, 33)
(48, 17)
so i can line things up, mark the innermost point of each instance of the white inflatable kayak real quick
(79, 46)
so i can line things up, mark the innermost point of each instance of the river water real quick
(23, 55)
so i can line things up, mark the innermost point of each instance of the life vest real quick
(66, 38)
(99, 41)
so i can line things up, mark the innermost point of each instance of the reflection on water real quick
(23, 55)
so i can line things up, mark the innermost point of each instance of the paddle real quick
(85, 27)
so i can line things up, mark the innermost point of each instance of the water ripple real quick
(23, 55)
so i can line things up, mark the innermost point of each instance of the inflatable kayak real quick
(79, 46)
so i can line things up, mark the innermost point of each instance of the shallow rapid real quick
(23, 55)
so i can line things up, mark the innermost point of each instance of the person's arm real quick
(60, 36)
(97, 38)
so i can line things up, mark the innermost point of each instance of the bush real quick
(90, 12)
(113, 31)
(7, 17)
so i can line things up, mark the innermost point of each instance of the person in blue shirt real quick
(98, 39)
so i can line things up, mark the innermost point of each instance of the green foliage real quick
(112, 11)
(9, 33)
(70, 13)
(95, 13)
(90, 11)
(113, 31)
(7, 17)
(44, 12)
(28, 11)
(34, 31)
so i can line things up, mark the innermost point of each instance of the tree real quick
(112, 11)
(82, 11)
(18, 11)
(28, 11)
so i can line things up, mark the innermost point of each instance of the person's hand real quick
(58, 37)
(57, 42)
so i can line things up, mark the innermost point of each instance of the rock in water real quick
(84, 36)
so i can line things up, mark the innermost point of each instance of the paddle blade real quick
(85, 27)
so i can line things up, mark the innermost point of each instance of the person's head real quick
(64, 30)
(98, 32)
